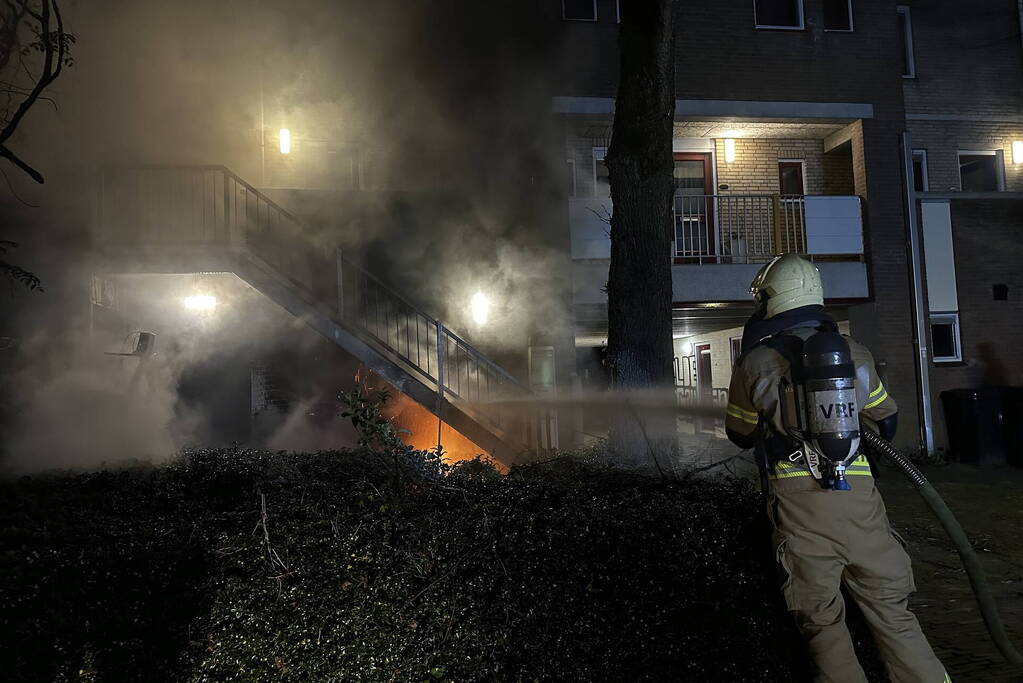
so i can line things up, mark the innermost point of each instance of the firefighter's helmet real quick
(787, 282)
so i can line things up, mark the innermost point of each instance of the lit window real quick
(980, 171)
(945, 342)
(778, 13)
(838, 15)
(579, 10)
(906, 40)
(920, 170)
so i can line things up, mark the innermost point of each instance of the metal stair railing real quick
(209, 206)
(442, 358)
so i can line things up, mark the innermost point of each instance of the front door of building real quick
(693, 237)
(704, 382)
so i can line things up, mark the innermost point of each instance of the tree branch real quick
(54, 47)
(13, 158)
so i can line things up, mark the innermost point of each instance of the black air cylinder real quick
(830, 391)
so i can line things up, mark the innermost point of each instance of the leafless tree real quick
(34, 49)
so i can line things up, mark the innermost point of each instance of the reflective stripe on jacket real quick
(784, 469)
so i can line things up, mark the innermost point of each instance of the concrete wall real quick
(726, 282)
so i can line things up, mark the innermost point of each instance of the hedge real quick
(239, 565)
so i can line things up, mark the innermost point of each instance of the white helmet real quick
(788, 282)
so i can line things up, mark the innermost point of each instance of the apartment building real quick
(790, 120)
(467, 153)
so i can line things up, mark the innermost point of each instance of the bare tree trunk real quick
(640, 166)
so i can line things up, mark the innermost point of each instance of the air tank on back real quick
(830, 394)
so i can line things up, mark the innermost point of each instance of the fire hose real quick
(875, 445)
(985, 600)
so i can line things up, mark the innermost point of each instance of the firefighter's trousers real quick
(826, 538)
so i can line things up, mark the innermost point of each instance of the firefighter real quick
(824, 537)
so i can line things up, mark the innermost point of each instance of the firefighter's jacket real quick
(753, 397)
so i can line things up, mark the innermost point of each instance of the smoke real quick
(442, 107)
(81, 414)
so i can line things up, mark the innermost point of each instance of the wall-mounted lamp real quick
(687, 348)
(1017, 151)
(285, 141)
(730, 150)
(480, 307)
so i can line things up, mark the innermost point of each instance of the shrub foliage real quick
(253, 566)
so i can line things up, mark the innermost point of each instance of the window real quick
(945, 343)
(838, 15)
(920, 170)
(601, 177)
(778, 13)
(790, 177)
(343, 169)
(735, 345)
(906, 41)
(980, 171)
(579, 10)
(571, 178)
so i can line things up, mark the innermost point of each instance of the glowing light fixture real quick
(729, 150)
(1017, 151)
(480, 306)
(200, 302)
(285, 141)
(687, 348)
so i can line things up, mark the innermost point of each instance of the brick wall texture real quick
(755, 170)
(944, 139)
(967, 59)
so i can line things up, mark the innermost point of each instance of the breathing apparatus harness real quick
(818, 406)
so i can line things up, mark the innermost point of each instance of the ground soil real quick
(989, 505)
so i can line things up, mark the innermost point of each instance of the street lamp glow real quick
(285, 141)
(200, 302)
(480, 306)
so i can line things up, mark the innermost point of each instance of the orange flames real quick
(418, 428)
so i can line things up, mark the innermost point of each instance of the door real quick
(792, 206)
(694, 207)
(542, 382)
(704, 379)
(704, 383)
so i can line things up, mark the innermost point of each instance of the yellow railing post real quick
(776, 222)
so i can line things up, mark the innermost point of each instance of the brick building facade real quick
(835, 104)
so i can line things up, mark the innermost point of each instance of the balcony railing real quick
(754, 228)
(736, 228)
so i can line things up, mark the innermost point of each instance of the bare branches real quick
(44, 20)
(274, 561)
(17, 274)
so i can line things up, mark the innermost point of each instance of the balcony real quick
(754, 228)
(734, 234)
